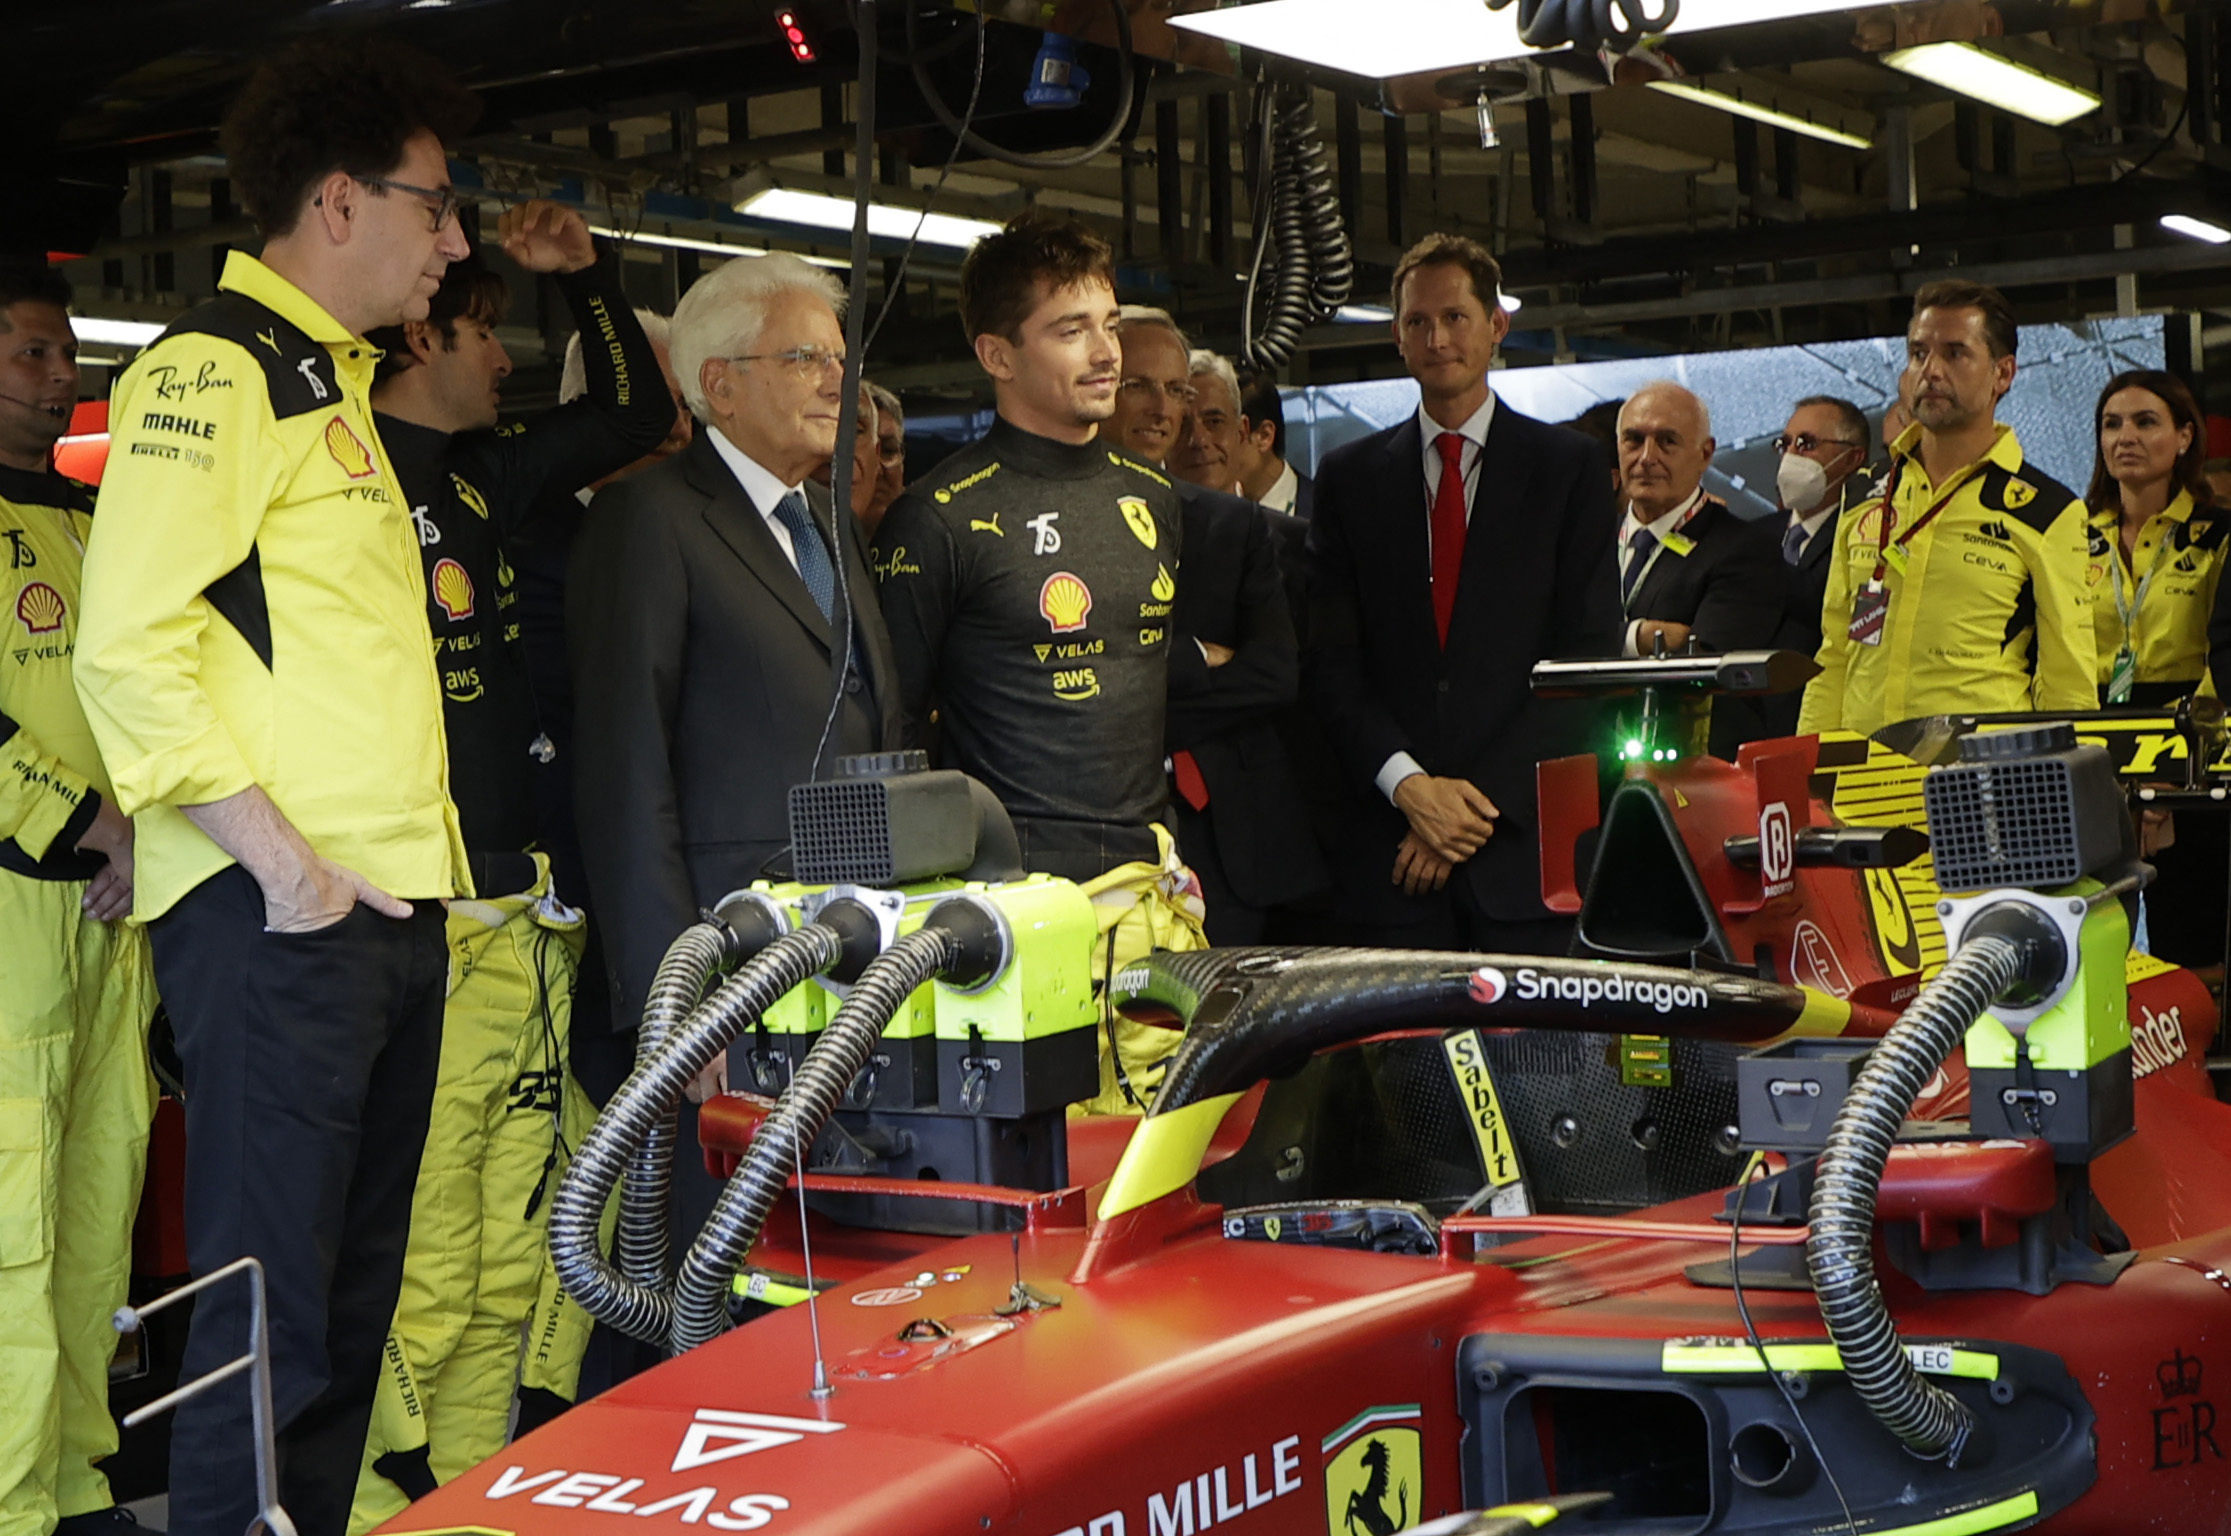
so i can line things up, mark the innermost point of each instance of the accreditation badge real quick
(1870, 609)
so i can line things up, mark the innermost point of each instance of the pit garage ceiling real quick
(1632, 220)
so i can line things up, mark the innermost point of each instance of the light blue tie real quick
(812, 555)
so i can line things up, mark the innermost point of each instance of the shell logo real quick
(1164, 589)
(40, 608)
(453, 589)
(1065, 602)
(1139, 518)
(348, 450)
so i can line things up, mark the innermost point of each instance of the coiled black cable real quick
(1587, 24)
(1297, 211)
(708, 1270)
(645, 1309)
(1840, 1248)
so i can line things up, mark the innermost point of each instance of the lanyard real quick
(1883, 542)
(2126, 608)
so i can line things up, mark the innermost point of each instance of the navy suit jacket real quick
(1539, 581)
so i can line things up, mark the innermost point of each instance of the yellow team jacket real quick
(2183, 548)
(51, 782)
(255, 611)
(1992, 612)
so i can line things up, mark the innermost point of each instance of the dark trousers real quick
(310, 1063)
(1452, 920)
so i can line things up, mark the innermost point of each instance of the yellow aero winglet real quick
(1690, 1358)
(1536, 1515)
(1164, 1154)
(1824, 1016)
(1991, 1517)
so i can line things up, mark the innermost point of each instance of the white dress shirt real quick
(1286, 491)
(761, 485)
(1474, 432)
(1671, 522)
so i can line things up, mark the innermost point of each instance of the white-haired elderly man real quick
(708, 597)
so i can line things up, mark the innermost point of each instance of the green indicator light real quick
(1634, 749)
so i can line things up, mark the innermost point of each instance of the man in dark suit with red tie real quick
(1448, 554)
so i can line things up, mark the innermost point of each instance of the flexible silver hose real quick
(1840, 1249)
(700, 1310)
(644, 1309)
(676, 989)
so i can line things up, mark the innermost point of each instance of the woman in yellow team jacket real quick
(2156, 557)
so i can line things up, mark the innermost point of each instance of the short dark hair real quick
(1850, 419)
(1001, 277)
(2191, 469)
(470, 290)
(27, 280)
(1437, 250)
(333, 104)
(1260, 401)
(1601, 422)
(1957, 293)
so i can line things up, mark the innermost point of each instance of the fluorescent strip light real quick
(1722, 102)
(818, 210)
(1410, 37)
(1379, 314)
(2000, 82)
(2196, 229)
(692, 243)
(115, 333)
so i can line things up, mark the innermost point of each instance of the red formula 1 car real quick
(1589, 1242)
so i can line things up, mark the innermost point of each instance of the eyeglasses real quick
(805, 362)
(441, 202)
(1807, 444)
(1143, 388)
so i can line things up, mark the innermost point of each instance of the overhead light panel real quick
(115, 333)
(1409, 37)
(2195, 229)
(692, 243)
(1379, 314)
(818, 210)
(1996, 81)
(1721, 101)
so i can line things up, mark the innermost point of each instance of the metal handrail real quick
(270, 1516)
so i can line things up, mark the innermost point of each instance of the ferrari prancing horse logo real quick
(1375, 1472)
(1139, 518)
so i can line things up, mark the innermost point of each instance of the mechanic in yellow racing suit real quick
(76, 985)
(1961, 589)
(1028, 583)
(476, 1276)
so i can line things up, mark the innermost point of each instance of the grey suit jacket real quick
(702, 676)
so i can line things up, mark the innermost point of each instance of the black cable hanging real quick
(1587, 24)
(1297, 212)
(1126, 92)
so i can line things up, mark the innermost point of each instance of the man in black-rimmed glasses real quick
(1824, 455)
(255, 660)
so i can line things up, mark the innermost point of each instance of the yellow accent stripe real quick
(1734, 1359)
(1536, 1515)
(1475, 1089)
(1823, 1016)
(1991, 1517)
(1164, 1154)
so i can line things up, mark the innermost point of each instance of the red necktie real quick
(1448, 530)
(1191, 787)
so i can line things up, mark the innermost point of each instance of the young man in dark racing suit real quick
(1028, 582)
(477, 1267)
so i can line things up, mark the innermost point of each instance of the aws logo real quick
(1077, 684)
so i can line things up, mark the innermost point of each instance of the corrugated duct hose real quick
(1587, 23)
(1840, 1250)
(700, 1310)
(639, 1300)
(1298, 213)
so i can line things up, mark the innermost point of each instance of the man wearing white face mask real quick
(1824, 451)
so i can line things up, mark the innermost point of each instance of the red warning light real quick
(801, 48)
